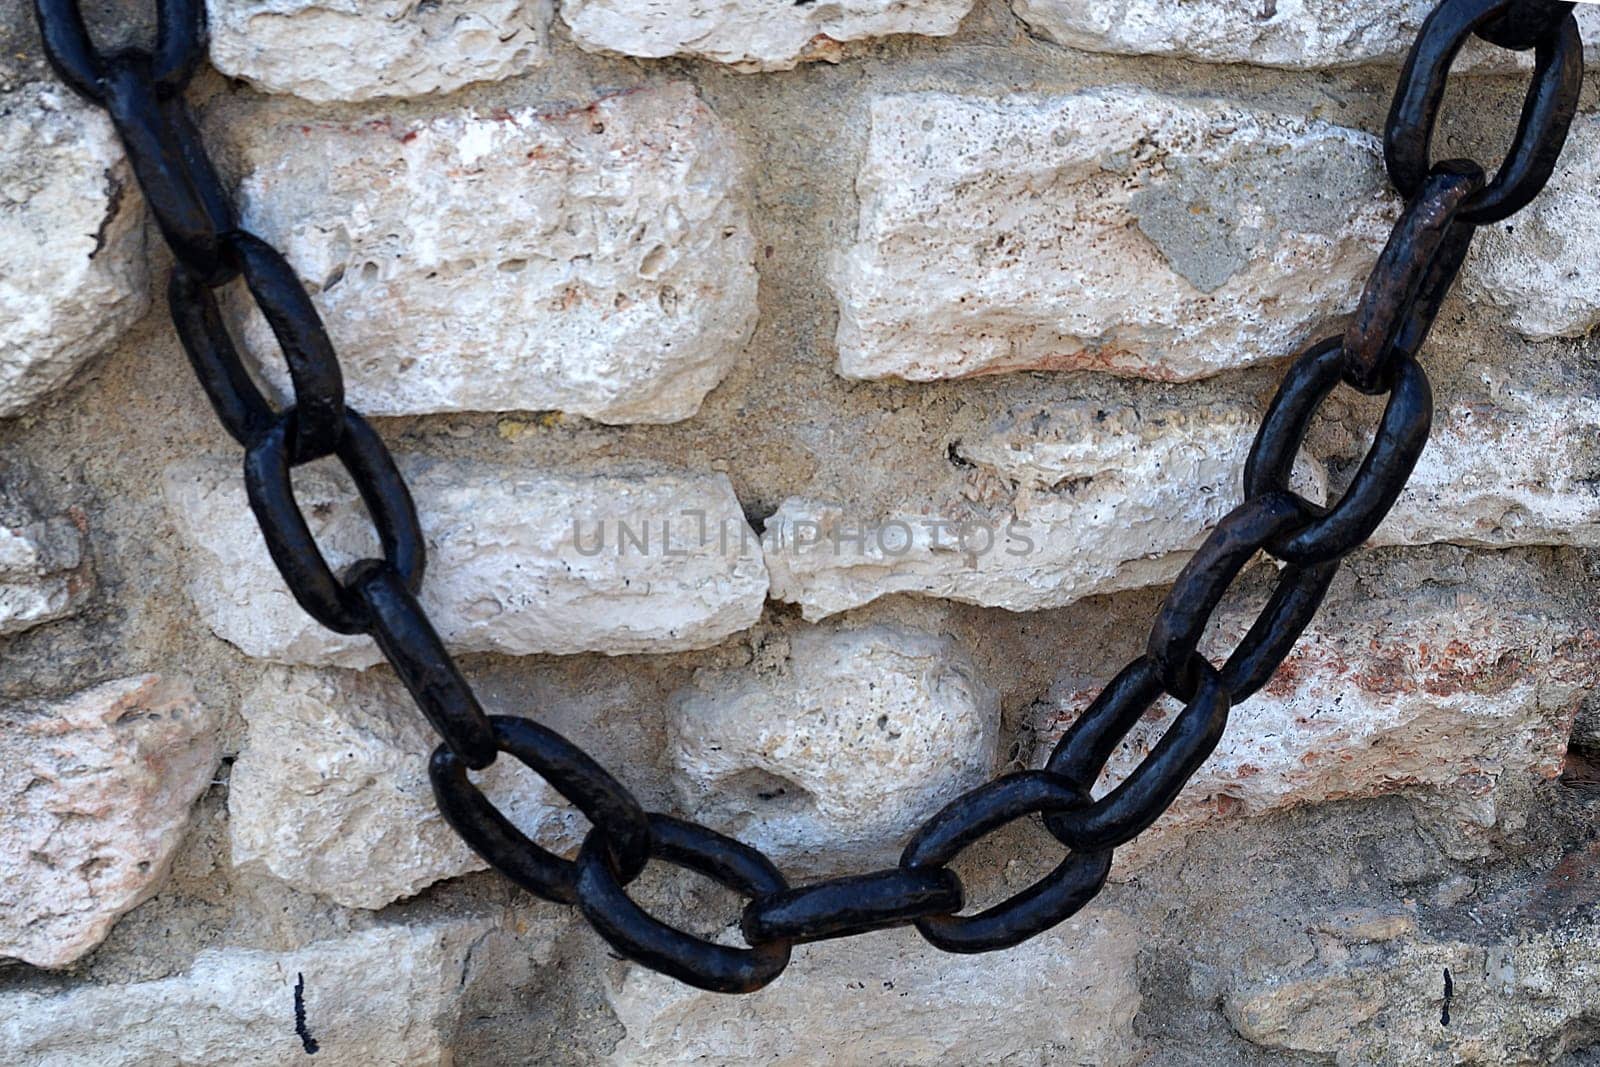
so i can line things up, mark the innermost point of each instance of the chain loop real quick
(155, 152)
(1378, 482)
(180, 43)
(619, 822)
(141, 92)
(1206, 577)
(1294, 602)
(1417, 267)
(1527, 23)
(842, 907)
(313, 364)
(71, 52)
(1082, 752)
(270, 489)
(1051, 900)
(1151, 787)
(69, 49)
(643, 938)
(1547, 111)
(239, 405)
(412, 646)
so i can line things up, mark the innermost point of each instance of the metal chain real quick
(143, 91)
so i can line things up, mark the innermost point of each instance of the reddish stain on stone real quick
(1570, 885)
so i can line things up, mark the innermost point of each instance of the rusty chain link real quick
(143, 92)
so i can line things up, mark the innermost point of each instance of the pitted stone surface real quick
(1445, 679)
(749, 34)
(597, 261)
(330, 792)
(1057, 503)
(1112, 229)
(519, 561)
(97, 791)
(1515, 471)
(1292, 33)
(389, 995)
(1539, 266)
(325, 50)
(72, 226)
(888, 998)
(841, 748)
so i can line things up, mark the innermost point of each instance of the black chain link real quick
(1547, 111)
(1526, 23)
(843, 907)
(1414, 272)
(1052, 899)
(143, 91)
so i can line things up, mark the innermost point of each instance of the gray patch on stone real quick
(1316, 186)
(1191, 229)
(1192, 218)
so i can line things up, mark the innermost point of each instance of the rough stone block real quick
(1522, 965)
(519, 561)
(1301, 34)
(1536, 266)
(1517, 471)
(1058, 503)
(389, 995)
(889, 998)
(1112, 229)
(326, 50)
(842, 747)
(597, 261)
(72, 226)
(97, 791)
(748, 34)
(330, 792)
(1444, 676)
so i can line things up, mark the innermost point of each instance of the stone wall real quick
(806, 404)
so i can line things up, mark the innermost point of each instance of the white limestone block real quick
(1518, 470)
(72, 227)
(330, 792)
(597, 260)
(43, 573)
(327, 50)
(520, 561)
(389, 996)
(1072, 500)
(1115, 230)
(748, 34)
(1449, 680)
(846, 746)
(97, 791)
(1298, 34)
(1539, 266)
(889, 998)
